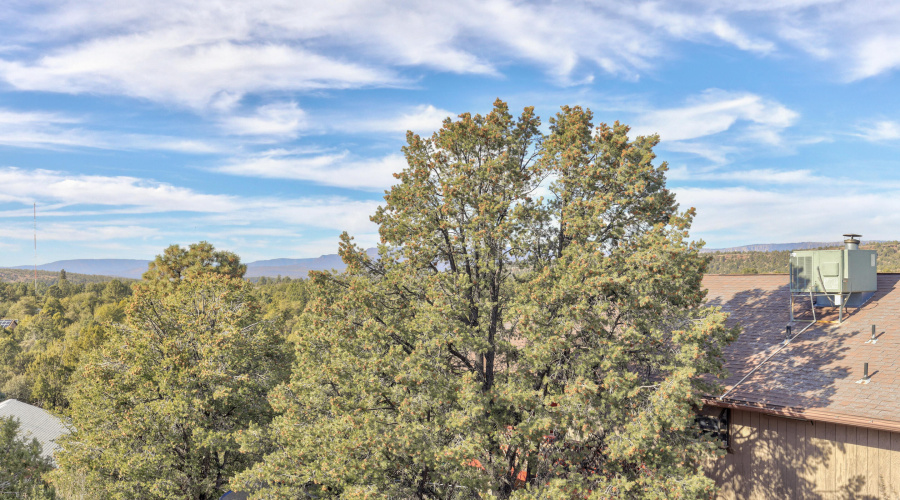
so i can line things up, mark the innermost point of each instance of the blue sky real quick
(269, 127)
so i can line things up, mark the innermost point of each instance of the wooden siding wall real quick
(776, 457)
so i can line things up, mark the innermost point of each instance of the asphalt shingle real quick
(819, 370)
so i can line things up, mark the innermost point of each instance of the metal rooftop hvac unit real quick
(834, 278)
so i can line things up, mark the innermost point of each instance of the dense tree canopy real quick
(57, 325)
(505, 343)
(157, 409)
(65, 324)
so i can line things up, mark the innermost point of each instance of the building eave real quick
(807, 414)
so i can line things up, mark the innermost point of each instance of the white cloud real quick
(716, 111)
(696, 24)
(274, 122)
(40, 129)
(211, 55)
(858, 37)
(874, 57)
(162, 143)
(328, 169)
(284, 119)
(768, 176)
(25, 186)
(422, 119)
(175, 67)
(748, 214)
(810, 41)
(884, 130)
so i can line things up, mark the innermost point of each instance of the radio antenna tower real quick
(35, 249)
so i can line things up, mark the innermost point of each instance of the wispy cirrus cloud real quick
(716, 111)
(700, 24)
(208, 56)
(285, 120)
(174, 67)
(33, 129)
(717, 124)
(331, 169)
(858, 38)
(883, 130)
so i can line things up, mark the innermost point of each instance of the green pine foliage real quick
(199, 258)
(64, 325)
(158, 408)
(21, 464)
(283, 299)
(505, 345)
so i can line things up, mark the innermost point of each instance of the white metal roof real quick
(35, 423)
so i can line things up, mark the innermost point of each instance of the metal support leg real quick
(812, 305)
(792, 307)
(841, 310)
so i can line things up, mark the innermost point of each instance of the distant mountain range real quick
(299, 268)
(777, 247)
(134, 268)
(124, 268)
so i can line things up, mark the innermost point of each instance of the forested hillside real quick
(777, 261)
(9, 275)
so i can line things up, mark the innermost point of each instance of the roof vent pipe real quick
(852, 243)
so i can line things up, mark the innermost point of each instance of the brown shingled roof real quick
(814, 376)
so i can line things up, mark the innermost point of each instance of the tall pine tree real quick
(506, 343)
